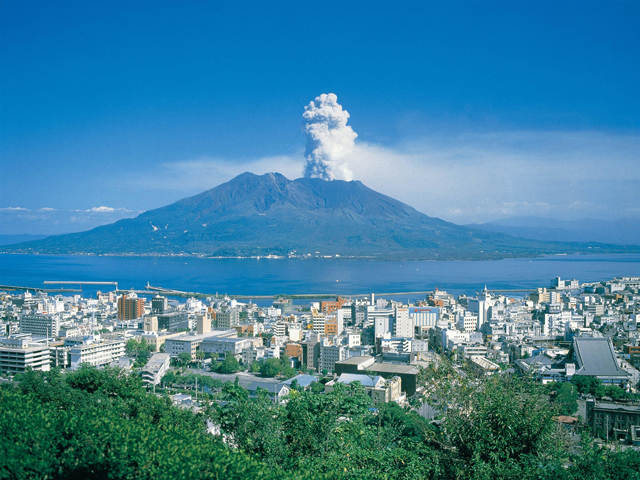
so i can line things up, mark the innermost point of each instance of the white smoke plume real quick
(329, 139)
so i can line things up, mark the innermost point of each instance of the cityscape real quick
(316, 241)
(561, 332)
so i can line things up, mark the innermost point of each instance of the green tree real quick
(588, 385)
(255, 367)
(296, 386)
(317, 387)
(229, 365)
(270, 367)
(565, 397)
(184, 359)
(101, 424)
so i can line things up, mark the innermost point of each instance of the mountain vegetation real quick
(265, 215)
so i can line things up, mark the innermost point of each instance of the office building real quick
(173, 321)
(203, 324)
(43, 325)
(228, 319)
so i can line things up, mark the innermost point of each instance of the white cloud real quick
(466, 178)
(480, 177)
(104, 209)
(47, 209)
(13, 209)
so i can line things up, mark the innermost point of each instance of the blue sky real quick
(468, 111)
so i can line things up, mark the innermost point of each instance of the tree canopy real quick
(101, 424)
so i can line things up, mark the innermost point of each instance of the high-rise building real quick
(130, 308)
(329, 355)
(173, 321)
(150, 323)
(329, 307)
(40, 324)
(403, 325)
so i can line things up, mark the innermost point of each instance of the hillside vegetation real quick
(101, 424)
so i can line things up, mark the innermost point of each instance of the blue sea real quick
(263, 276)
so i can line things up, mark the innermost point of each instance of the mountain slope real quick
(270, 215)
(620, 232)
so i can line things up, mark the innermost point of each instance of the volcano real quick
(263, 215)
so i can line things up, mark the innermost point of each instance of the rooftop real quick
(393, 368)
(156, 362)
(357, 360)
(365, 380)
(303, 380)
(201, 337)
(596, 357)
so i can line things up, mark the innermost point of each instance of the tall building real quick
(203, 324)
(130, 308)
(318, 323)
(228, 319)
(403, 323)
(329, 355)
(40, 324)
(159, 304)
(150, 323)
(329, 307)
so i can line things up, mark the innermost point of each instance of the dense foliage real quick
(140, 350)
(273, 367)
(489, 428)
(101, 424)
(594, 386)
(227, 366)
(564, 396)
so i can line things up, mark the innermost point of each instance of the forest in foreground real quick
(102, 424)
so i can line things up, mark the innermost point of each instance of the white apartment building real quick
(467, 322)
(43, 325)
(19, 353)
(96, 354)
(397, 345)
(279, 329)
(403, 323)
(424, 316)
(382, 321)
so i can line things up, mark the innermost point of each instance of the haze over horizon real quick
(467, 112)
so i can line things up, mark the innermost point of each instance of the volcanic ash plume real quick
(329, 139)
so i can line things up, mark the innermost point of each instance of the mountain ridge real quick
(625, 231)
(262, 215)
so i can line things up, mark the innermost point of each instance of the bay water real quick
(266, 276)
